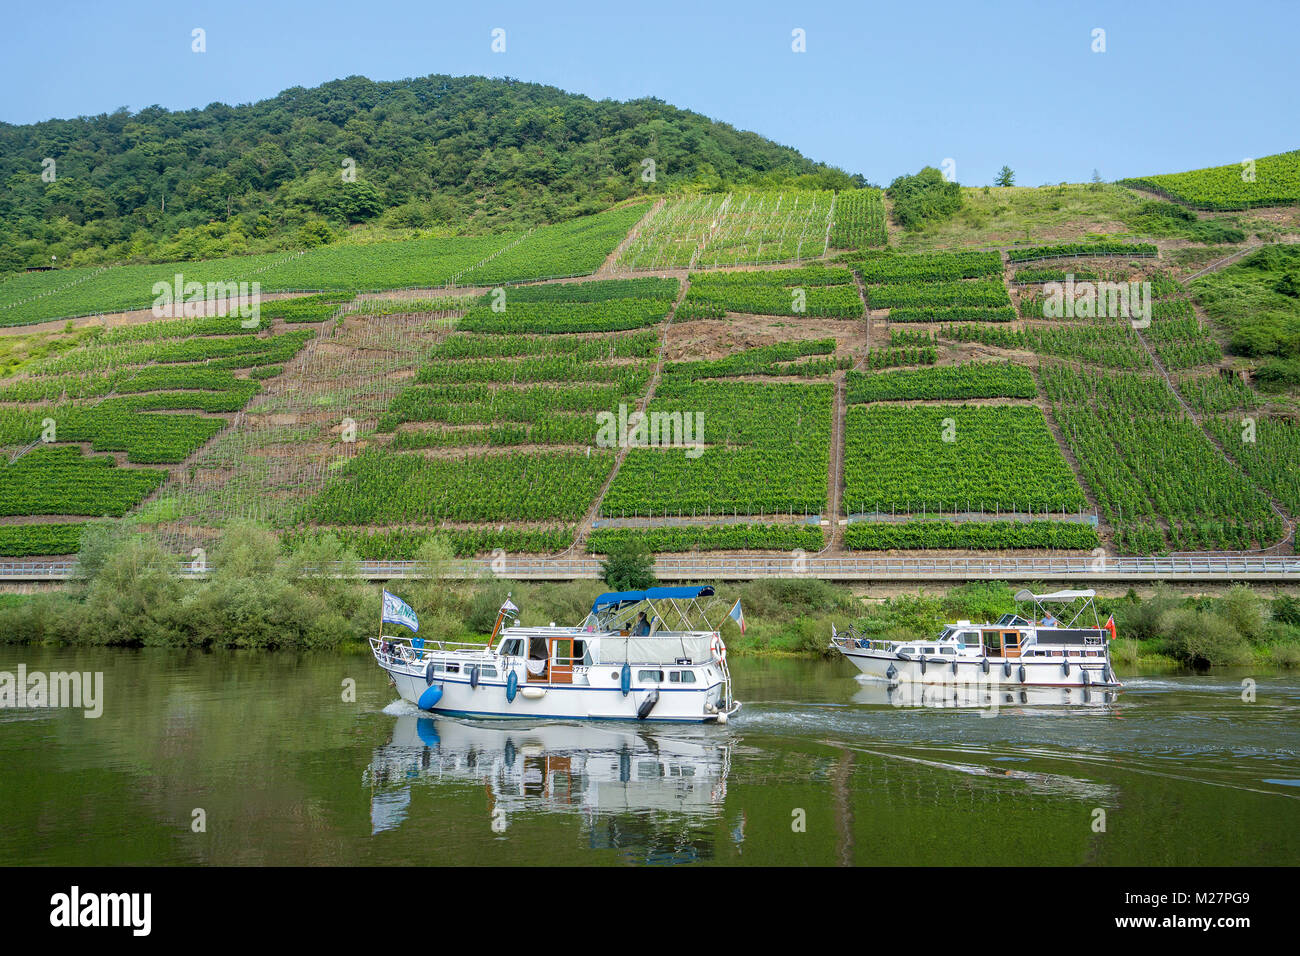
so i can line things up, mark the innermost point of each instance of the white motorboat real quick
(623, 662)
(1051, 649)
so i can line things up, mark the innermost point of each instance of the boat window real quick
(653, 677)
(927, 650)
(513, 647)
(681, 677)
(489, 671)
(580, 652)
(969, 637)
(908, 650)
(450, 668)
(947, 650)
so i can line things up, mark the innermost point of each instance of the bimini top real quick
(1027, 595)
(619, 598)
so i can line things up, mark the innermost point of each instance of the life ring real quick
(718, 649)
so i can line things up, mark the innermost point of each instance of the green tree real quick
(924, 197)
(1006, 177)
(315, 232)
(629, 566)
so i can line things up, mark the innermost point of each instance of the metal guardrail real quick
(691, 567)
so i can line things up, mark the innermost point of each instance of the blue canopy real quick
(631, 597)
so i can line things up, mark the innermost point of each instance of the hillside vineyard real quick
(748, 370)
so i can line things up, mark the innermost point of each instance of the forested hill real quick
(439, 152)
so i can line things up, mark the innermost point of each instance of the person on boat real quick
(642, 628)
(1049, 620)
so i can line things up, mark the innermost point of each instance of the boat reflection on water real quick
(657, 794)
(980, 695)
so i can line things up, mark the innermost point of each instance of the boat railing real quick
(854, 641)
(402, 650)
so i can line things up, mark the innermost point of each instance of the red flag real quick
(1110, 626)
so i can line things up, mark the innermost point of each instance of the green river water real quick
(278, 766)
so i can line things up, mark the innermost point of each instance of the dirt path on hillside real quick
(835, 460)
(583, 530)
(609, 268)
(128, 317)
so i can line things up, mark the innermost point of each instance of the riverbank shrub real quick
(128, 592)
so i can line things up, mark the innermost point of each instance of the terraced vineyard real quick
(859, 220)
(947, 383)
(1275, 182)
(935, 458)
(968, 535)
(153, 393)
(810, 291)
(1074, 250)
(507, 419)
(765, 451)
(577, 247)
(1159, 481)
(716, 230)
(531, 374)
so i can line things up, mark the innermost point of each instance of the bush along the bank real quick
(128, 592)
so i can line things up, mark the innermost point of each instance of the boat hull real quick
(1037, 672)
(576, 701)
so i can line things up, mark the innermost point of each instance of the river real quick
(275, 758)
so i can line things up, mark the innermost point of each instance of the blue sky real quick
(883, 89)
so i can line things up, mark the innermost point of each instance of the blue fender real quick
(428, 732)
(1021, 673)
(429, 699)
(512, 687)
(625, 679)
(648, 705)
(428, 673)
(473, 677)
